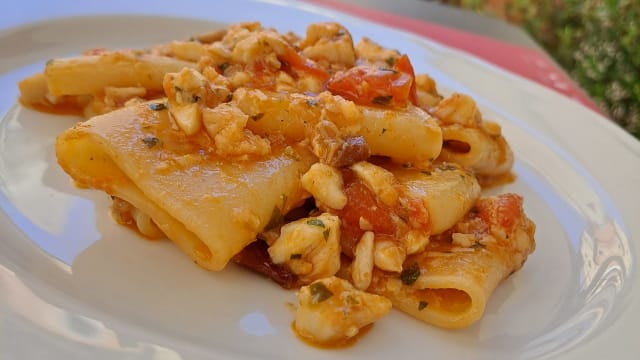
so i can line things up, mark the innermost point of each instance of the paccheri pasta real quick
(325, 165)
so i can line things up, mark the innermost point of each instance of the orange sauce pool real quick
(340, 344)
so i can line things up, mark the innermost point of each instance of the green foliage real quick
(596, 41)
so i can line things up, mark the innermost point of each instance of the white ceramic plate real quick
(74, 285)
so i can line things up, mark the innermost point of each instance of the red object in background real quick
(531, 64)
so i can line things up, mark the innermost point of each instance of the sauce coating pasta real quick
(323, 164)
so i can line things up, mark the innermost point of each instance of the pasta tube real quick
(476, 150)
(209, 206)
(448, 192)
(449, 284)
(91, 74)
(407, 135)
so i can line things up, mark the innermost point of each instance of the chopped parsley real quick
(195, 98)
(352, 300)
(390, 61)
(422, 305)
(410, 274)
(326, 233)
(382, 100)
(315, 222)
(275, 220)
(222, 67)
(157, 106)
(319, 292)
(478, 245)
(295, 256)
(151, 141)
(384, 130)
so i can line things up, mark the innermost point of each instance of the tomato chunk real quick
(404, 65)
(362, 203)
(504, 212)
(299, 63)
(369, 85)
(418, 215)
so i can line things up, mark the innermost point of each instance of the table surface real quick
(451, 16)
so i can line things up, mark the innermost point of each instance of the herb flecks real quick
(390, 60)
(422, 305)
(478, 245)
(157, 106)
(295, 256)
(382, 100)
(150, 141)
(326, 233)
(352, 300)
(222, 67)
(276, 219)
(410, 274)
(315, 222)
(319, 292)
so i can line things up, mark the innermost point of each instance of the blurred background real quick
(597, 42)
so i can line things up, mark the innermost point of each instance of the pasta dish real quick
(323, 163)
